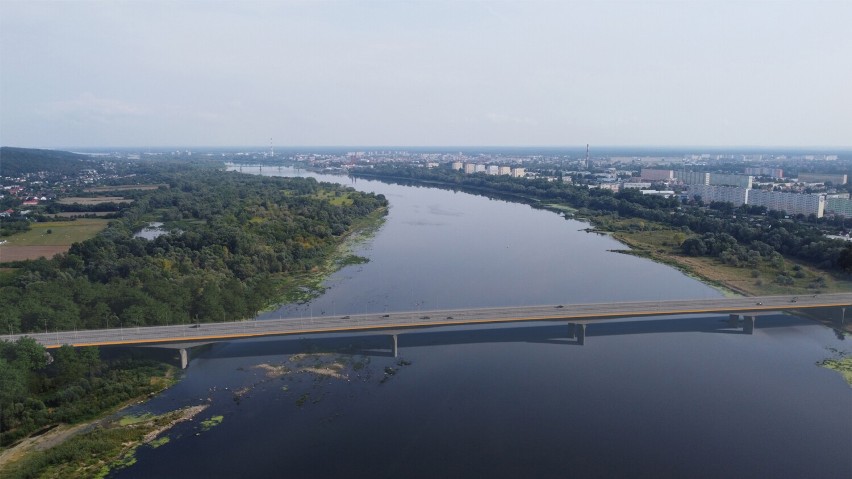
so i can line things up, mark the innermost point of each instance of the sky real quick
(425, 73)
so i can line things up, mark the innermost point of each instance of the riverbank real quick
(301, 288)
(661, 243)
(95, 449)
(27, 453)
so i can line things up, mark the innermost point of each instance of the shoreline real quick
(304, 287)
(708, 270)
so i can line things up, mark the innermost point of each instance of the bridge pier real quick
(748, 324)
(395, 346)
(184, 358)
(733, 319)
(577, 331)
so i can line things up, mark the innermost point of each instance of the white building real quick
(822, 178)
(656, 175)
(771, 172)
(493, 170)
(505, 170)
(480, 168)
(634, 185)
(838, 206)
(469, 168)
(693, 177)
(726, 194)
(719, 179)
(790, 203)
(518, 172)
(457, 165)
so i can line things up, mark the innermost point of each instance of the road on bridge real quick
(578, 313)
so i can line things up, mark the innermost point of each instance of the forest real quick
(736, 235)
(66, 386)
(231, 240)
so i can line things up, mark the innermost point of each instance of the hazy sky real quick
(201, 73)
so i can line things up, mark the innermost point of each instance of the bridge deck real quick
(416, 319)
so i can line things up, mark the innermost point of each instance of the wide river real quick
(683, 396)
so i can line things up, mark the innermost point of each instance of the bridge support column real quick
(842, 316)
(395, 346)
(733, 319)
(581, 334)
(184, 358)
(572, 330)
(748, 324)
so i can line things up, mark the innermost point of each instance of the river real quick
(686, 396)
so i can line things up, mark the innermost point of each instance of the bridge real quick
(576, 315)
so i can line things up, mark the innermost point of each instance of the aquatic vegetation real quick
(841, 364)
(212, 422)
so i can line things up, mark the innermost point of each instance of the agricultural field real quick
(48, 239)
(93, 201)
(101, 189)
(73, 214)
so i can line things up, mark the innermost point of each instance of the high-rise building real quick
(656, 175)
(790, 203)
(725, 194)
(838, 206)
(469, 168)
(457, 165)
(693, 177)
(770, 172)
(719, 179)
(837, 179)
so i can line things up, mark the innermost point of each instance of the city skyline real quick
(433, 74)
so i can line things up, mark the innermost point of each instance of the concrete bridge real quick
(577, 316)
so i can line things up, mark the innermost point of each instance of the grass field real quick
(342, 200)
(93, 201)
(38, 242)
(662, 245)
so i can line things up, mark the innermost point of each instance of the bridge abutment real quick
(394, 346)
(184, 358)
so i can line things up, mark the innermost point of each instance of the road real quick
(580, 313)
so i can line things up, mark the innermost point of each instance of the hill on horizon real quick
(18, 161)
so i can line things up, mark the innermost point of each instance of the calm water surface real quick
(661, 397)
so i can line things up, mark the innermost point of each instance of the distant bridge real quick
(577, 315)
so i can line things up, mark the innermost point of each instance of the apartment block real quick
(719, 179)
(656, 175)
(822, 178)
(838, 206)
(790, 203)
(693, 177)
(771, 172)
(726, 194)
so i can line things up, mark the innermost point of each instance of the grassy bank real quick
(107, 446)
(662, 244)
